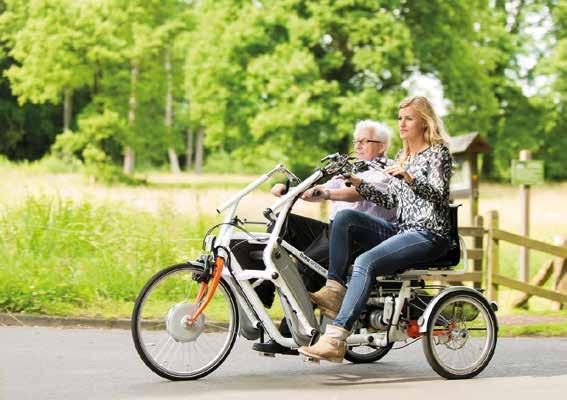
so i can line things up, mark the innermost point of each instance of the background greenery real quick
(234, 84)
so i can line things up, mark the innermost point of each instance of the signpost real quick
(526, 172)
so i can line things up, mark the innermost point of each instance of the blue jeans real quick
(390, 251)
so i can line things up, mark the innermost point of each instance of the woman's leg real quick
(386, 258)
(349, 226)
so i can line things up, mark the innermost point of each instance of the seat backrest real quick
(454, 254)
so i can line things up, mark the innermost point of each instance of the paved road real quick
(51, 363)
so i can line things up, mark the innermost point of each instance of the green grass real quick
(58, 256)
(546, 329)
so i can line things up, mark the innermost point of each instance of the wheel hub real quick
(177, 326)
(459, 338)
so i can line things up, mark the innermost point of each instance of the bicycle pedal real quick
(311, 359)
(271, 355)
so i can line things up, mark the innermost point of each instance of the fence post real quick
(524, 273)
(492, 255)
(559, 281)
(477, 244)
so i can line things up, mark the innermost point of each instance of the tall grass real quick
(57, 256)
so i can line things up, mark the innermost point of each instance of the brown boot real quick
(329, 298)
(331, 346)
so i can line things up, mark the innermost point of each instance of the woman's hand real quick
(399, 172)
(352, 180)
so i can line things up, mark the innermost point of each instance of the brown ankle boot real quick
(329, 298)
(331, 346)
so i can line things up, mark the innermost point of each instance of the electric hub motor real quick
(176, 325)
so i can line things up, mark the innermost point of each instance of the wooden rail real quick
(495, 279)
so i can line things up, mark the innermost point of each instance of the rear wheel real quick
(461, 335)
(166, 344)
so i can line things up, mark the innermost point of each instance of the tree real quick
(293, 75)
(49, 46)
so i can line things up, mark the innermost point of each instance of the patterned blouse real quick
(423, 204)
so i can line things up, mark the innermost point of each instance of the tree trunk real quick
(199, 150)
(173, 160)
(189, 153)
(67, 108)
(129, 155)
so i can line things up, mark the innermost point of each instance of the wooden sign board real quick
(528, 173)
(461, 179)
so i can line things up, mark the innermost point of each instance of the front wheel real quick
(461, 335)
(166, 344)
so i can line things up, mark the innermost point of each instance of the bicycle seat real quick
(453, 256)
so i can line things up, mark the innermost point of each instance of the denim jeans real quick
(389, 252)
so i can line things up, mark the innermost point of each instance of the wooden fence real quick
(489, 251)
(493, 277)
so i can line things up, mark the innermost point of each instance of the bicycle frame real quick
(248, 299)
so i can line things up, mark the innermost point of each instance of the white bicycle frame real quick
(251, 304)
(253, 307)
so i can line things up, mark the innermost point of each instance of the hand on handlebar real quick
(399, 172)
(278, 190)
(351, 180)
(315, 194)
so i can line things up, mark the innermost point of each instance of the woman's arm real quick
(385, 199)
(435, 186)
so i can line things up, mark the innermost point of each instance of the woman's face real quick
(411, 125)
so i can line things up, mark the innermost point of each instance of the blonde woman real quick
(420, 233)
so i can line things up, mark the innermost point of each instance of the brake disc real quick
(176, 325)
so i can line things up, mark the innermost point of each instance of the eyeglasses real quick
(364, 142)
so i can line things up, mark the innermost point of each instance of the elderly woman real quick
(420, 234)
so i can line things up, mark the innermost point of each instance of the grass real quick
(543, 329)
(58, 256)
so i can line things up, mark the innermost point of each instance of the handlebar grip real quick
(287, 184)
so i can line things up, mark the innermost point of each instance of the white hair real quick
(382, 132)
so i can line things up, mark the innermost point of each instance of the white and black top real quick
(423, 204)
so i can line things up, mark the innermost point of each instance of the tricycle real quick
(188, 316)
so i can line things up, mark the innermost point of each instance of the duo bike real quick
(188, 316)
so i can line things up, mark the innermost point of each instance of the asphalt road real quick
(51, 363)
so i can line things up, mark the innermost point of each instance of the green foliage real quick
(99, 135)
(291, 76)
(57, 254)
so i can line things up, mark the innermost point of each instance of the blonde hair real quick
(435, 132)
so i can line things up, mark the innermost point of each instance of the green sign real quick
(528, 172)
